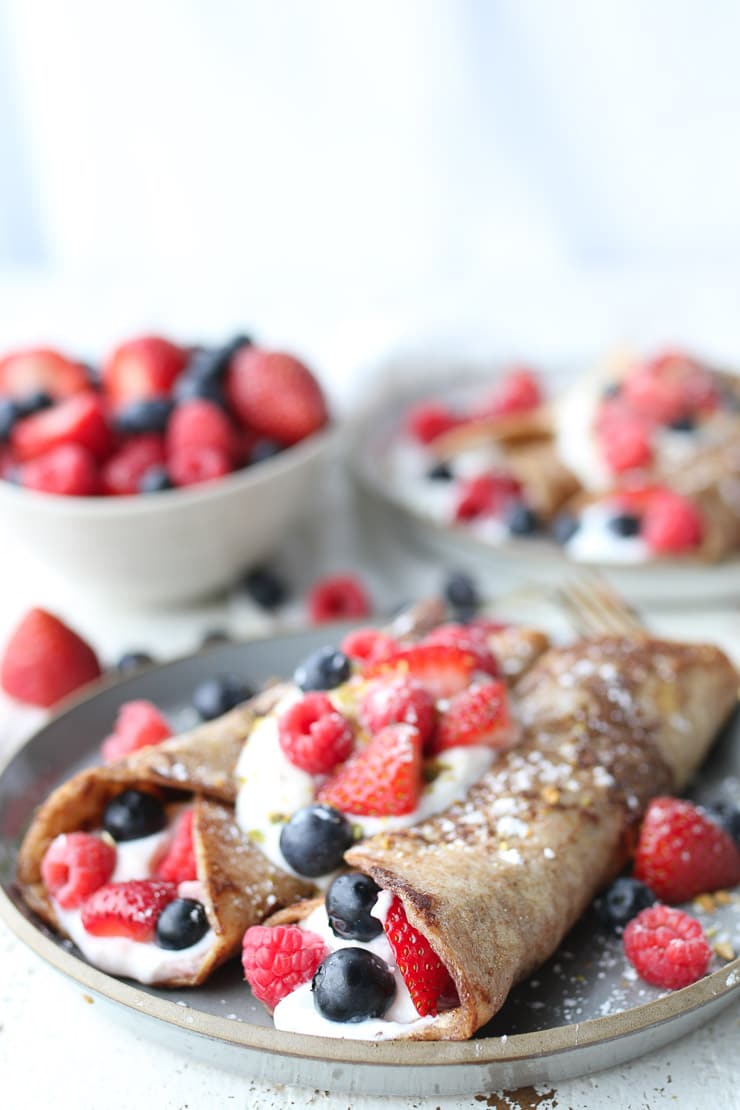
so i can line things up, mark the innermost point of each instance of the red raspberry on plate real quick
(381, 779)
(179, 865)
(314, 735)
(338, 597)
(79, 420)
(517, 391)
(69, 470)
(682, 852)
(672, 524)
(626, 445)
(398, 700)
(278, 960)
(76, 864)
(45, 660)
(191, 466)
(122, 473)
(443, 669)
(275, 395)
(127, 909)
(139, 724)
(479, 715)
(667, 947)
(201, 424)
(486, 495)
(428, 980)
(427, 421)
(469, 637)
(368, 645)
(142, 368)
(41, 370)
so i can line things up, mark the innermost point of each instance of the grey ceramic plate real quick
(582, 1012)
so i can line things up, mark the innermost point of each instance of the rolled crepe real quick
(496, 881)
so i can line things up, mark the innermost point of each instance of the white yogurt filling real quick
(297, 1013)
(596, 542)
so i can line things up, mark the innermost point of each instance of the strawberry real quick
(41, 371)
(672, 524)
(443, 669)
(469, 637)
(486, 495)
(70, 470)
(278, 960)
(179, 865)
(123, 472)
(428, 980)
(478, 715)
(139, 724)
(314, 735)
(517, 391)
(140, 368)
(368, 645)
(667, 947)
(275, 395)
(427, 421)
(682, 852)
(381, 779)
(45, 660)
(337, 597)
(626, 444)
(79, 419)
(191, 466)
(74, 865)
(198, 424)
(127, 909)
(401, 700)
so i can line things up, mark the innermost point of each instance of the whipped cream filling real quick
(595, 542)
(297, 1013)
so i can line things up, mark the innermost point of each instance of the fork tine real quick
(594, 607)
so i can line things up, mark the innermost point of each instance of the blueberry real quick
(190, 388)
(155, 480)
(133, 814)
(683, 424)
(315, 839)
(133, 661)
(181, 924)
(265, 587)
(564, 527)
(349, 900)
(522, 520)
(622, 901)
(626, 525)
(215, 636)
(34, 402)
(323, 670)
(9, 413)
(216, 696)
(264, 449)
(440, 472)
(353, 984)
(462, 594)
(141, 417)
(611, 390)
(208, 363)
(237, 341)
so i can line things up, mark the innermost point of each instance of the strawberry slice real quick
(78, 420)
(428, 980)
(41, 370)
(382, 779)
(179, 865)
(141, 368)
(398, 700)
(479, 715)
(444, 669)
(127, 909)
(471, 638)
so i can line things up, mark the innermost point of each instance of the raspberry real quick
(672, 524)
(75, 865)
(428, 980)
(338, 597)
(69, 470)
(314, 735)
(517, 391)
(479, 715)
(45, 660)
(276, 961)
(396, 701)
(139, 724)
(626, 445)
(486, 495)
(667, 947)
(469, 637)
(275, 395)
(427, 421)
(682, 852)
(201, 424)
(443, 669)
(179, 865)
(123, 472)
(127, 909)
(368, 645)
(381, 779)
(192, 465)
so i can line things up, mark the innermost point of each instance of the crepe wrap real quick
(496, 881)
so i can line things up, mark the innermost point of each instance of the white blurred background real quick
(531, 177)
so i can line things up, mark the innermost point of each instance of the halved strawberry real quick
(127, 909)
(179, 865)
(443, 669)
(144, 367)
(428, 980)
(41, 370)
(479, 715)
(382, 779)
(395, 700)
(78, 419)
(486, 495)
(469, 637)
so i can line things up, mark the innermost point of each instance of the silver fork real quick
(595, 608)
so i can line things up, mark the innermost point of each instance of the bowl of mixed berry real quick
(165, 471)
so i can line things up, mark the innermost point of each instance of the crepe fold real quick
(496, 881)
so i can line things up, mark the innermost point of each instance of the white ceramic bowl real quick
(167, 547)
